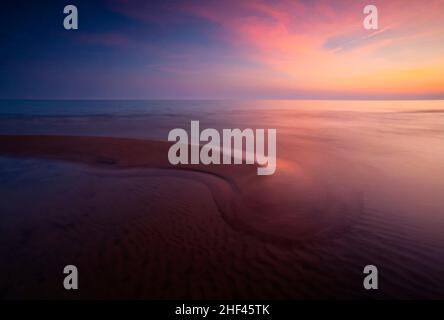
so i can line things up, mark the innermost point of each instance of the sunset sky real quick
(232, 49)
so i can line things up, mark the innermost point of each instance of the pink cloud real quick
(286, 40)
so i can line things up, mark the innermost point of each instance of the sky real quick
(222, 49)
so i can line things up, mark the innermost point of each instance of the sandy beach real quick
(138, 227)
(208, 210)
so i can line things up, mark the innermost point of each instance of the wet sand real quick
(351, 188)
(148, 229)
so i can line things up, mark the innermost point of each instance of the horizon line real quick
(223, 99)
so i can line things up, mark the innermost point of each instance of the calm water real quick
(382, 158)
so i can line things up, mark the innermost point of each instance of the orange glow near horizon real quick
(231, 49)
(323, 47)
